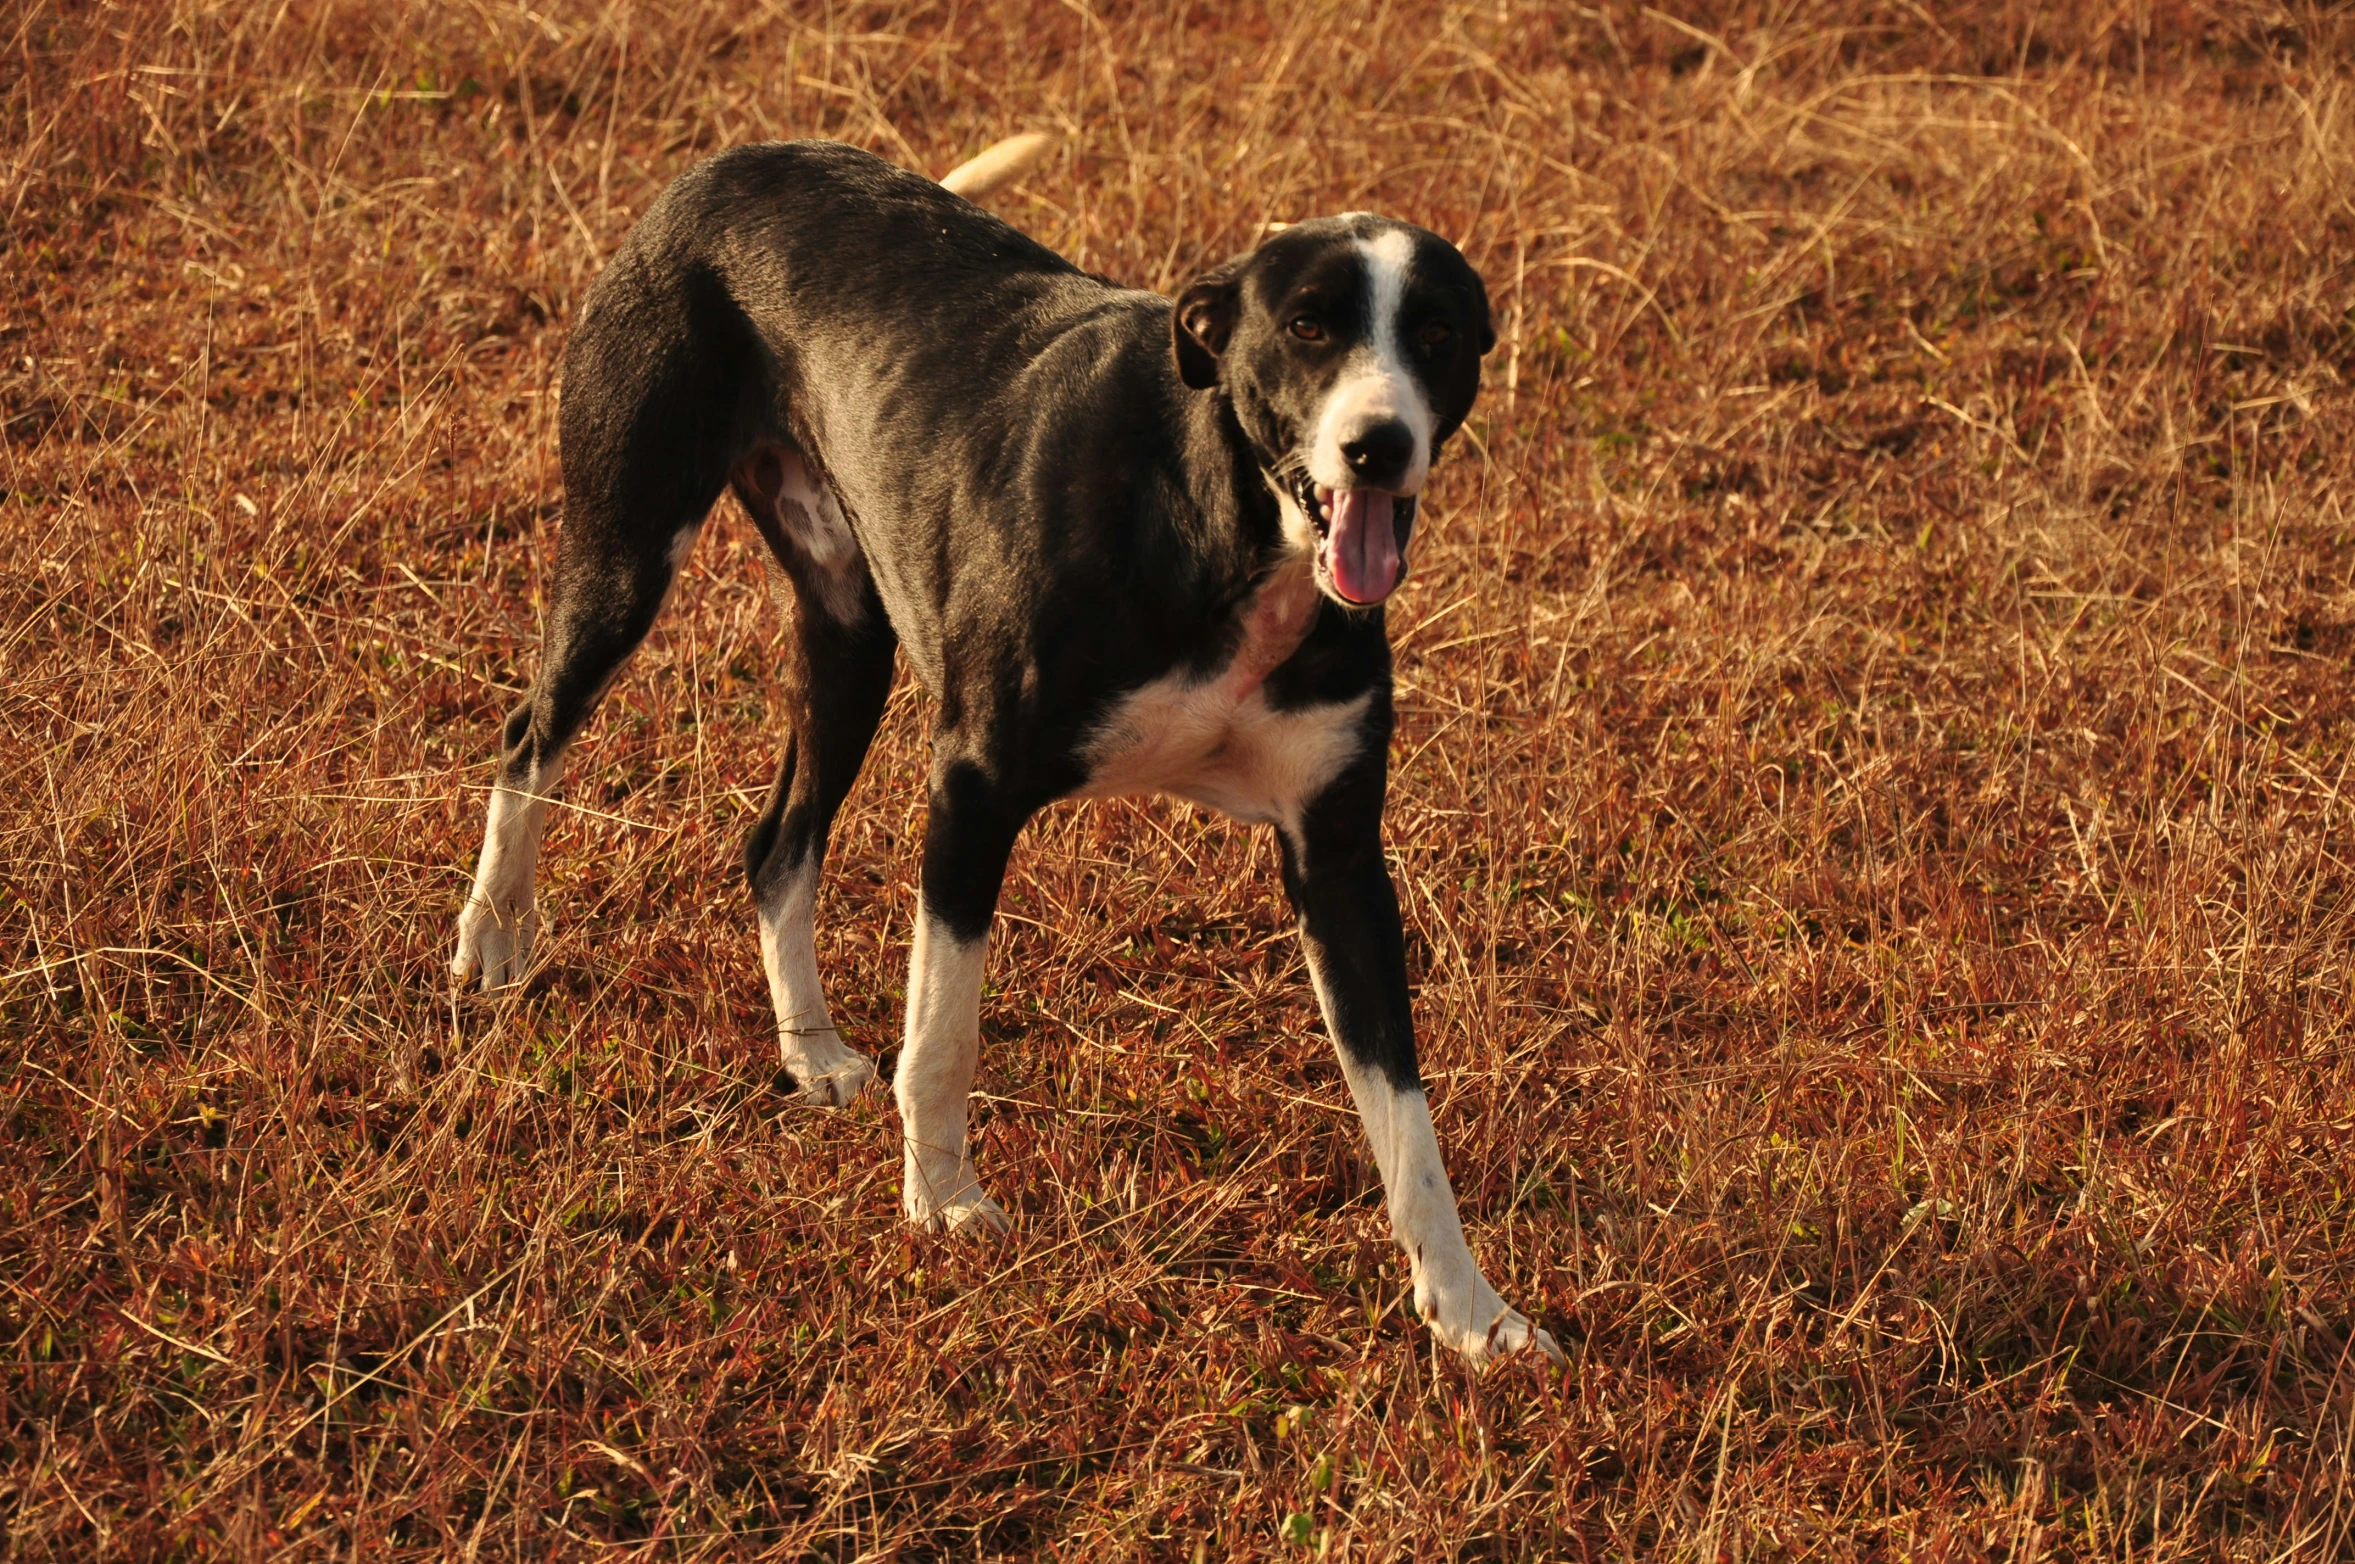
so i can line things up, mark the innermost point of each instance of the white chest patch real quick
(1216, 740)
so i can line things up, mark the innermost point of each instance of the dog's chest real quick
(1218, 740)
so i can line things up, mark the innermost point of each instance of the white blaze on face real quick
(1375, 385)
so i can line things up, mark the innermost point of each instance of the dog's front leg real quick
(1349, 923)
(969, 833)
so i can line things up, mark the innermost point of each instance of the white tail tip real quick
(998, 166)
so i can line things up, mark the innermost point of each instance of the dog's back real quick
(1003, 377)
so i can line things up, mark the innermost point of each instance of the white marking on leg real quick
(1451, 1294)
(1376, 386)
(829, 1072)
(935, 1080)
(500, 920)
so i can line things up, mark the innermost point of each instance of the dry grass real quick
(1870, 807)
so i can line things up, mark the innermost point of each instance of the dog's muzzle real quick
(1362, 536)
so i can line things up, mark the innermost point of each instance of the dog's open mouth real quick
(1361, 538)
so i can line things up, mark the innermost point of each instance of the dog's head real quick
(1350, 348)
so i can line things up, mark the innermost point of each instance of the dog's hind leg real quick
(656, 382)
(605, 601)
(838, 660)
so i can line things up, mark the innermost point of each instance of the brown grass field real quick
(1869, 806)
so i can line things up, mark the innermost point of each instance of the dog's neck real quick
(1261, 582)
(1235, 494)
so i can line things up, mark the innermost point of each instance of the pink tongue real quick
(1363, 545)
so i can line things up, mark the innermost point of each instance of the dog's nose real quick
(1380, 453)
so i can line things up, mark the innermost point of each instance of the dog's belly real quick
(1217, 740)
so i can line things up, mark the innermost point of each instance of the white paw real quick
(1481, 1327)
(965, 1209)
(976, 1216)
(497, 949)
(1508, 1333)
(828, 1073)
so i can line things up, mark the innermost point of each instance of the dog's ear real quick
(1202, 322)
(1487, 316)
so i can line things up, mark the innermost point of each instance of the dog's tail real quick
(998, 166)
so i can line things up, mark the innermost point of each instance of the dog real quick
(1129, 545)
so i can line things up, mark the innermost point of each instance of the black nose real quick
(1380, 454)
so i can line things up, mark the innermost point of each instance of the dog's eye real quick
(1435, 333)
(1308, 328)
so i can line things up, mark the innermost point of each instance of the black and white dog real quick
(1128, 547)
